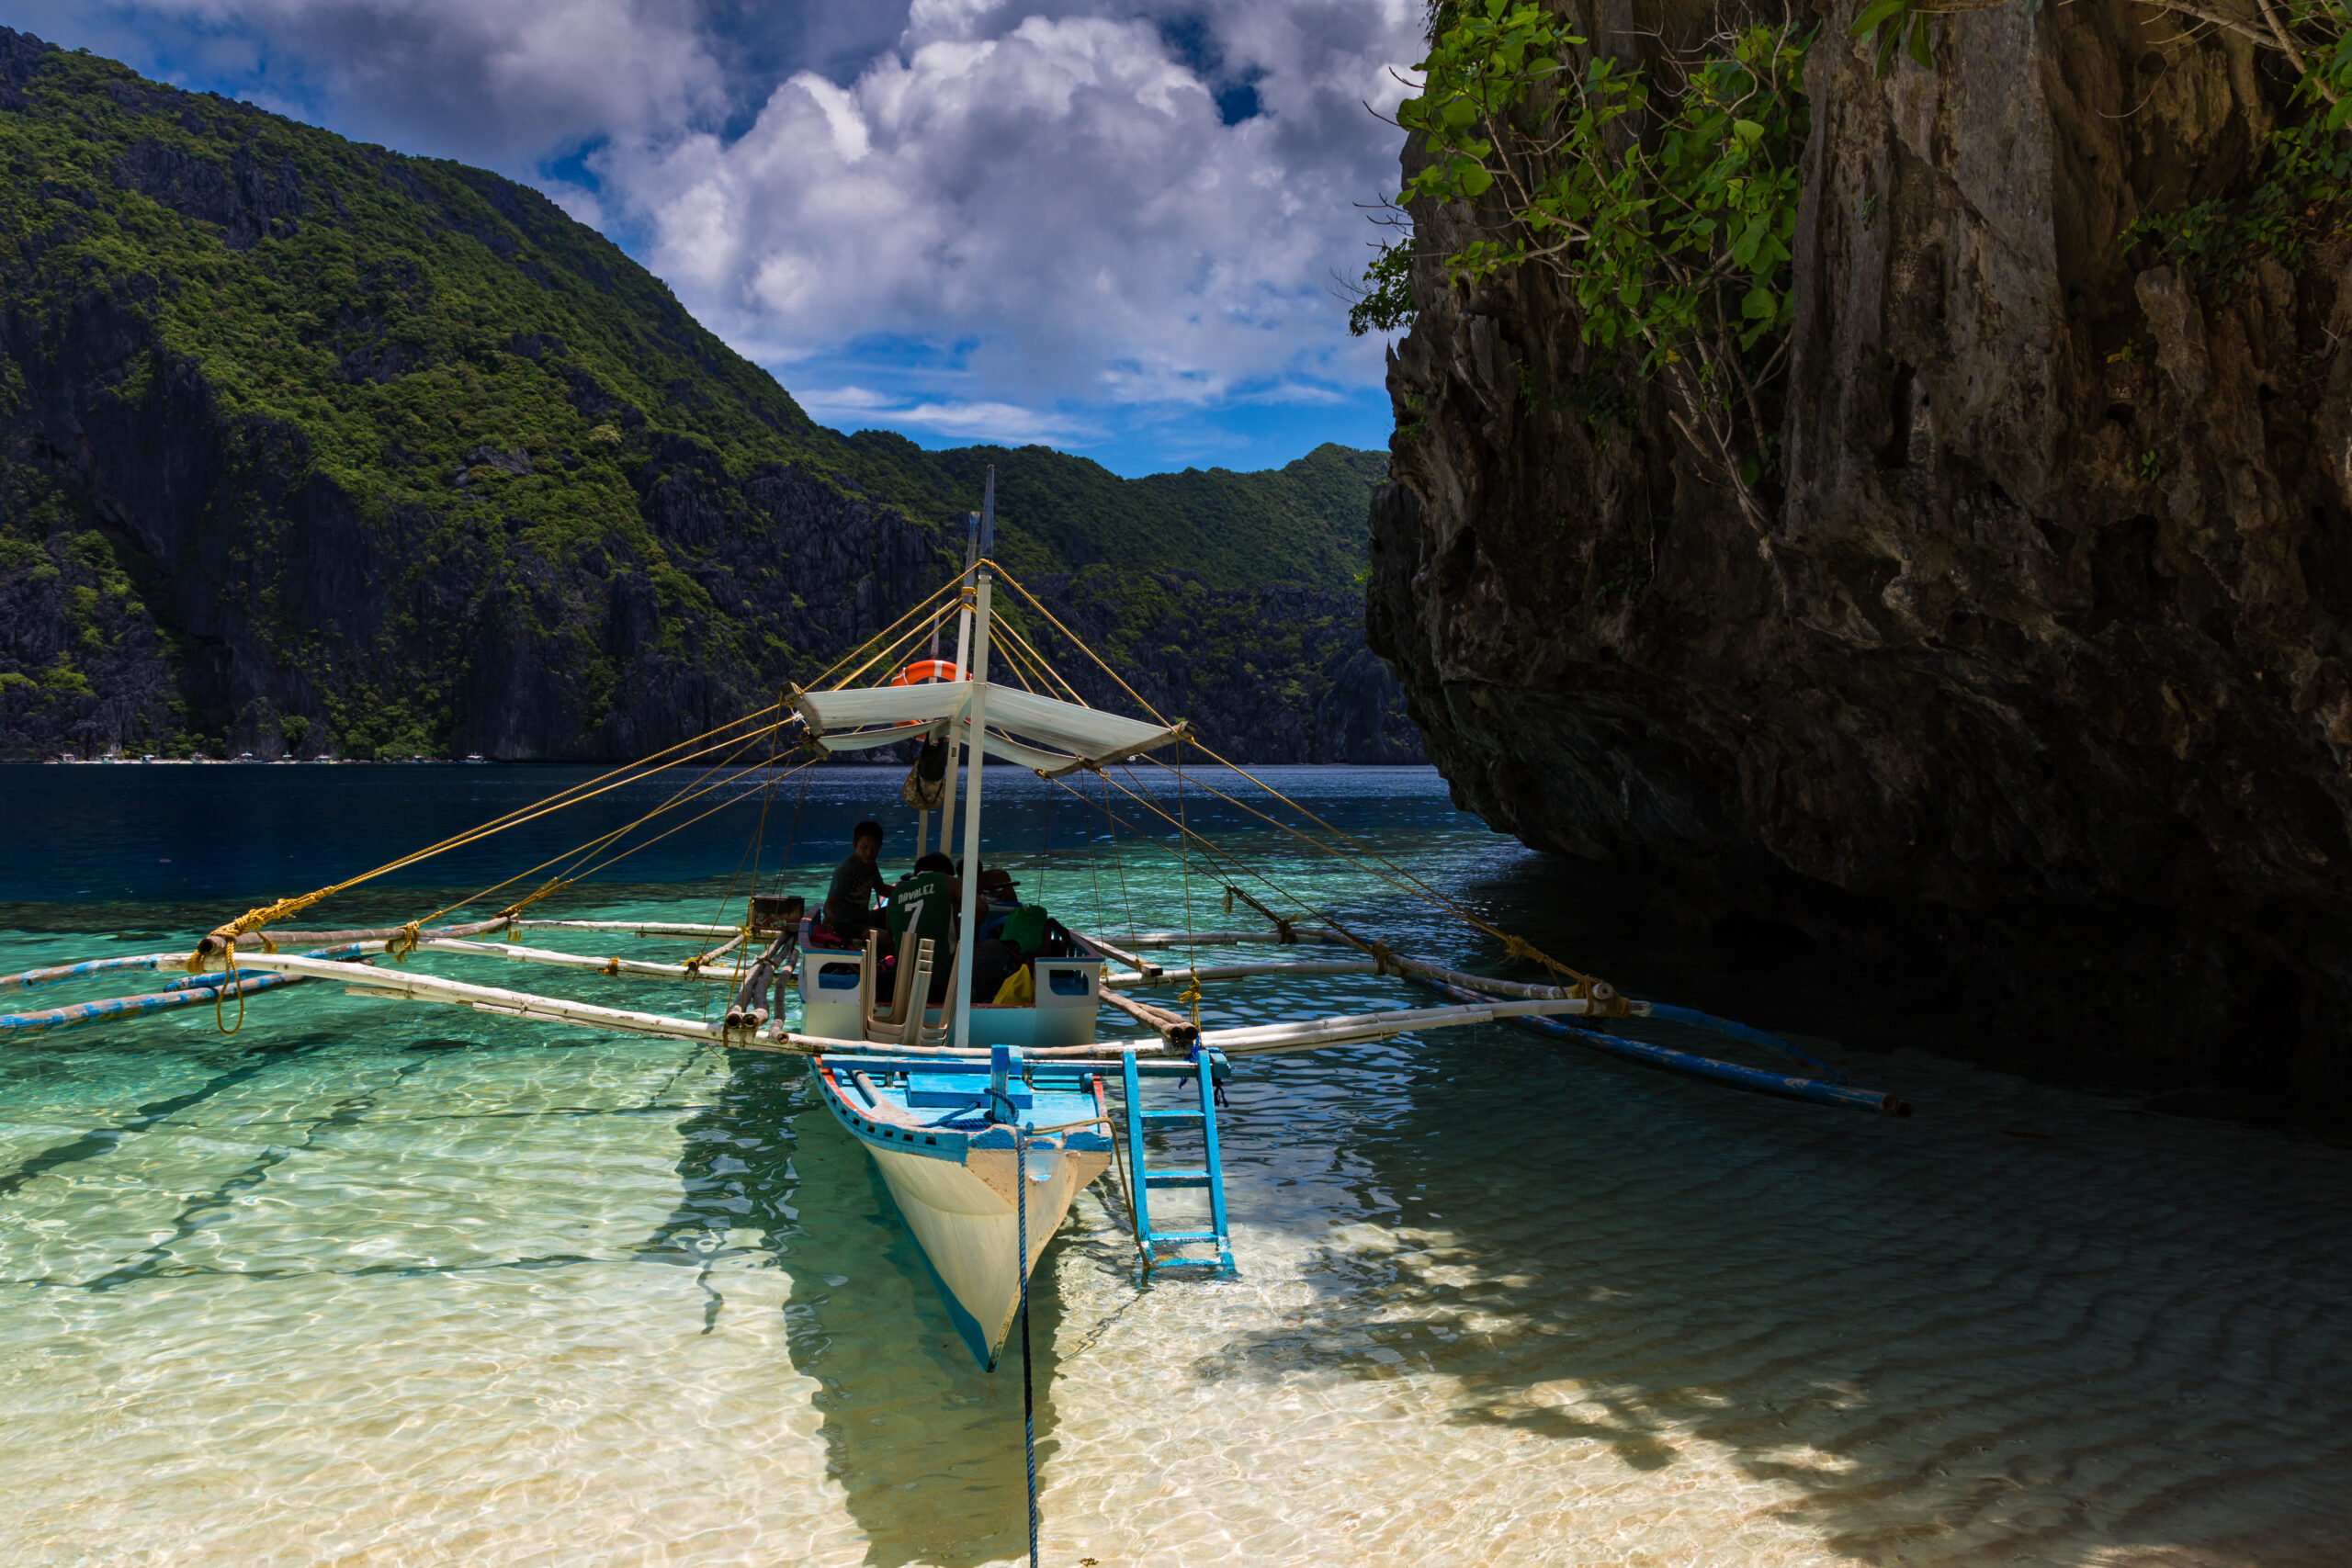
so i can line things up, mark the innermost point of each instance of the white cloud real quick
(1006, 425)
(1059, 187)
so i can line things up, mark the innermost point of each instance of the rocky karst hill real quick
(2025, 676)
(307, 443)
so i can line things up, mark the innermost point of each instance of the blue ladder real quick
(1209, 1174)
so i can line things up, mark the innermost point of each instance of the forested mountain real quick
(301, 437)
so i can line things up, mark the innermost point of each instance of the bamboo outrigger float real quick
(984, 1120)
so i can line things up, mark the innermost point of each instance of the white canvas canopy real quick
(1050, 737)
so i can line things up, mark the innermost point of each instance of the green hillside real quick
(294, 428)
(402, 312)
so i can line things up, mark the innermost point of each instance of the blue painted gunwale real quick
(893, 1125)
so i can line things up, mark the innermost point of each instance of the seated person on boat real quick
(848, 914)
(1000, 896)
(924, 902)
(1002, 964)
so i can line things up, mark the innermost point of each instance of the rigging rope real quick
(1043, 663)
(1077, 642)
(1014, 661)
(615, 859)
(581, 851)
(255, 919)
(951, 585)
(1515, 946)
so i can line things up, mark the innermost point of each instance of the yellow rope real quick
(1153, 806)
(1014, 663)
(615, 860)
(255, 919)
(1517, 947)
(1043, 663)
(1077, 642)
(951, 585)
(583, 850)
(220, 994)
(1029, 659)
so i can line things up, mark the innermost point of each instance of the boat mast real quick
(981, 583)
(922, 819)
(964, 647)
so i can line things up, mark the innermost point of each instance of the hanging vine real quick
(1663, 198)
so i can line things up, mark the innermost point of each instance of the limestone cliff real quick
(2036, 685)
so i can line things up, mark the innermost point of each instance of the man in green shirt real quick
(925, 901)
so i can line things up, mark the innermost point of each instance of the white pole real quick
(963, 653)
(978, 712)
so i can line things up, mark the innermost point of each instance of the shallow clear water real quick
(370, 1283)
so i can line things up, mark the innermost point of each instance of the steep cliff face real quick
(2035, 688)
(307, 445)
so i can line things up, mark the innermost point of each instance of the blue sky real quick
(1112, 228)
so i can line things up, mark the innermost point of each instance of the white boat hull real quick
(964, 1219)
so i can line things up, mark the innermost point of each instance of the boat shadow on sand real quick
(2016, 1327)
(925, 1446)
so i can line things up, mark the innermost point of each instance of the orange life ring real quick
(924, 670)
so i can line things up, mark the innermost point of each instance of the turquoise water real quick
(375, 1283)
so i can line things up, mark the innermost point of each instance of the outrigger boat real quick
(983, 1120)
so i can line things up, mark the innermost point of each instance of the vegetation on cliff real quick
(296, 428)
(2035, 686)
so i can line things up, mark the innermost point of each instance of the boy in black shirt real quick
(855, 880)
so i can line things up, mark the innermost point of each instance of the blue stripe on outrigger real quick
(121, 1006)
(32, 978)
(180, 993)
(1695, 1066)
(1698, 1020)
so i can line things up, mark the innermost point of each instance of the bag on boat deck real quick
(926, 785)
(1019, 990)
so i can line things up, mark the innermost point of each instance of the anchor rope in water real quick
(1028, 1400)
